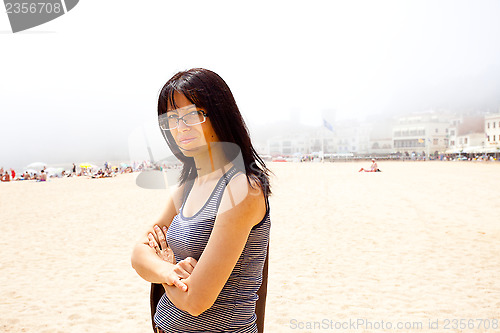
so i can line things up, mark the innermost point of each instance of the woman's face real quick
(194, 139)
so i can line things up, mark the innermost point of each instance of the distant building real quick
(381, 147)
(492, 132)
(291, 144)
(348, 137)
(260, 148)
(418, 134)
(423, 134)
(380, 135)
(466, 135)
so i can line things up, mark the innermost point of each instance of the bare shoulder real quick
(243, 200)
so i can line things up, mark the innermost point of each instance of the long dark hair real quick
(210, 92)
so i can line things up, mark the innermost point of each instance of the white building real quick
(466, 135)
(352, 137)
(492, 132)
(470, 143)
(423, 133)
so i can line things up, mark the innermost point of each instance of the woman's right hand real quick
(181, 271)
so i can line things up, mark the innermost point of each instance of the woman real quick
(373, 167)
(209, 246)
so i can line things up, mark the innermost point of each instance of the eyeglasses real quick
(170, 122)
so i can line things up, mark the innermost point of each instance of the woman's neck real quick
(211, 163)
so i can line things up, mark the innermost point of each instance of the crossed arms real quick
(191, 285)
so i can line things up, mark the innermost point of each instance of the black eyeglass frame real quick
(205, 116)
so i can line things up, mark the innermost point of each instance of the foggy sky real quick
(78, 88)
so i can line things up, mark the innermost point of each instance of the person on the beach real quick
(43, 176)
(209, 246)
(6, 177)
(373, 167)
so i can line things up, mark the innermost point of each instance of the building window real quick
(466, 140)
(436, 130)
(452, 133)
(446, 131)
(494, 137)
(494, 124)
(452, 142)
(488, 125)
(435, 141)
(488, 138)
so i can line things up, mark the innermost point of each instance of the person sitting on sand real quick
(373, 167)
(6, 177)
(43, 177)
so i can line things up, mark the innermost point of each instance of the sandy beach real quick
(416, 243)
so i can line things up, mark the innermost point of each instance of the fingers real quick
(152, 242)
(161, 236)
(176, 281)
(181, 285)
(181, 272)
(185, 267)
(188, 264)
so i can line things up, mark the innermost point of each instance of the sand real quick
(415, 243)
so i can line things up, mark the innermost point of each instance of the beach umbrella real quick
(54, 171)
(36, 166)
(85, 165)
(32, 172)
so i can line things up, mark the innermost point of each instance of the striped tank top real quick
(234, 308)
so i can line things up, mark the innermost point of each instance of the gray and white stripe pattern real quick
(234, 308)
